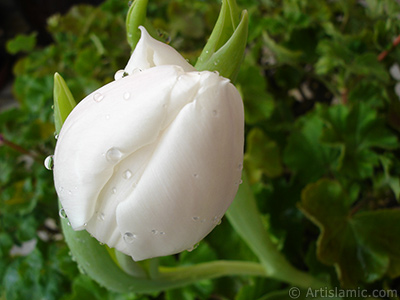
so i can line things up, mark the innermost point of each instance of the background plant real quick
(322, 148)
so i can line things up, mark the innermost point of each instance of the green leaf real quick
(221, 53)
(305, 154)
(135, 18)
(262, 156)
(358, 130)
(361, 246)
(258, 103)
(64, 102)
(22, 43)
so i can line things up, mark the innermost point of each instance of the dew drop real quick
(136, 70)
(195, 175)
(154, 231)
(56, 135)
(84, 224)
(101, 217)
(193, 247)
(113, 154)
(127, 95)
(114, 190)
(69, 223)
(240, 166)
(98, 97)
(240, 181)
(127, 174)
(49, 162)
(162, 232)
(119, 74)
(195, 218)
(217, 220)
(129, 237)
(62, 213)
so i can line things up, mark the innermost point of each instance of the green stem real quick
(245, 219)
(211, 270)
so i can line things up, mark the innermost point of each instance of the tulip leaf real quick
(368, 241)
(223, 29)
(245, 218)
(94, 259)
(221, 53)
(136, 17)
(63, 101)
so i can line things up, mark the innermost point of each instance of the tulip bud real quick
(149, 163)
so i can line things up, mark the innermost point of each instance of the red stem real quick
(383, 54)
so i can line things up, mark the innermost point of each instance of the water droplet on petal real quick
(69, 223)
(101, 217)
(62, 213)
(162, 232)
(215, 113)
(127, 95)
(240, 166)
(127, 174)
(119, 74)
(84, 224)
(217, 220)
(129, 237)
(114, 190)
(193, 247)
(49, 162)
(98, 97)
(113, 154)
(195, 175)
(154, 231)
(56, 135)
(240, 181)
(195, 218)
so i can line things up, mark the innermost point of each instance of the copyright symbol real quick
(294, 293)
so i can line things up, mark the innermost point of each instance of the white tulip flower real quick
(149, 163)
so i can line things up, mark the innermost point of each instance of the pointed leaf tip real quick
(64, 102)
(136, 17)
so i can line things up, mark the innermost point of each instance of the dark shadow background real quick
(26, 16)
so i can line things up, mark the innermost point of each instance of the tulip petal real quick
(152, 167)
(150, 53)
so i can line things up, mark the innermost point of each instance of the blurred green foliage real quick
(322, 142)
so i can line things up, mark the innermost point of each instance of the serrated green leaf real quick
(305, 154)
(358, 131)
(360, 246)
